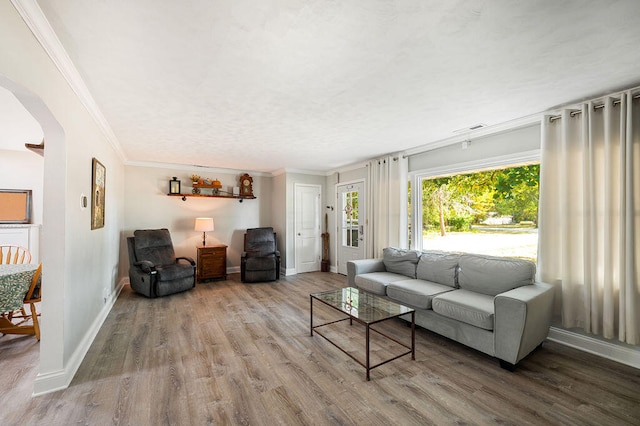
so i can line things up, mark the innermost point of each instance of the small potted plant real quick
(195, 178)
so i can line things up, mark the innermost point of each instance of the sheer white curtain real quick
(387, 204)
(589, 222)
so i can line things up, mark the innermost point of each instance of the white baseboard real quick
(57, 380)
(233, 270)
(333, 269)
(290, 271)
(612, 351)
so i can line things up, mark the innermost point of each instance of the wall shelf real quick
(235, 197)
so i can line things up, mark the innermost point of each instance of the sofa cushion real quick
(492, 275)
(417, 293)
(377, 282)
(400, 261)
(438, 267)
(466, 306)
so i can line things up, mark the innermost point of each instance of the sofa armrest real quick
(522, 320)
(363, 266)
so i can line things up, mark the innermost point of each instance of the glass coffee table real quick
(366, 309)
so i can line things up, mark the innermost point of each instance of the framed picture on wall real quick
(15, 206)
(98, 186)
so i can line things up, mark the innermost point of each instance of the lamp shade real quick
(204, 224)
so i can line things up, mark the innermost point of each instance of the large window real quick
(491, 212)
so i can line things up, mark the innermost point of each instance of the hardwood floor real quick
(233, 353)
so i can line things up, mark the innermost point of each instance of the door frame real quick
(337, 212)
(295, 222)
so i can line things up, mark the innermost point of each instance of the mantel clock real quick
(246, 185)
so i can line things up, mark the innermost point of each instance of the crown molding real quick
(41, 28)
(299, 171)
(194, 167)
(349, 167)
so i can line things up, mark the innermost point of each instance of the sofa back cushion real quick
(493, 275)
(400, 261)
(438, 267)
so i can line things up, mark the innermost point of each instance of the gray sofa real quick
(491, 304)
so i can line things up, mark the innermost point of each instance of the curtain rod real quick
(595, 107)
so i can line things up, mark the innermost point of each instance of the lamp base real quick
(204, 239)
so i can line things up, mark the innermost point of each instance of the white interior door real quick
(351, 224)
(308, 233)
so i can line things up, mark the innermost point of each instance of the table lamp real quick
(204, 224)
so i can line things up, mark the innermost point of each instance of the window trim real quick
(415, 177)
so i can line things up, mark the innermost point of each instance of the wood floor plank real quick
(234, 353)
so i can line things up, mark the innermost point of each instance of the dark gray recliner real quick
(154, 269)
(260, 260)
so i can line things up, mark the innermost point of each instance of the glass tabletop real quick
(364, 306)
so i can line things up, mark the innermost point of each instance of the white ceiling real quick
(266, 85)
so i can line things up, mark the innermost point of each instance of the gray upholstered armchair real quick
(154, 269)
(260, 260)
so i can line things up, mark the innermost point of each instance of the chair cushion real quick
(174, 271)
(264, 263)
(400, 261)
(260, 241)
(417, 293)
(155, 246)
(466, 306)
(377, 282)
(493, 275)
(438, 267)
(165, 288)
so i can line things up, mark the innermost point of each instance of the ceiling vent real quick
(471, 128)
(477, 126)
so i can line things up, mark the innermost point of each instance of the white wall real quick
(279, 214)
(78, 264)
(147, 206)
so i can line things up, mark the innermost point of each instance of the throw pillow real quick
(439, 268)
(400, 261)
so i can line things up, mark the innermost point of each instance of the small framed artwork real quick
(98, 186)
(15, 206)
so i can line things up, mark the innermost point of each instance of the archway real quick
(52, 238)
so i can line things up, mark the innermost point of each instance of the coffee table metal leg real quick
(413, 335)
(311, 315)
(367, 366)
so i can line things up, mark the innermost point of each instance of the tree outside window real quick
(496, 202)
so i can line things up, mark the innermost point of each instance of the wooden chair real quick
(33, 296)
(14, 255)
